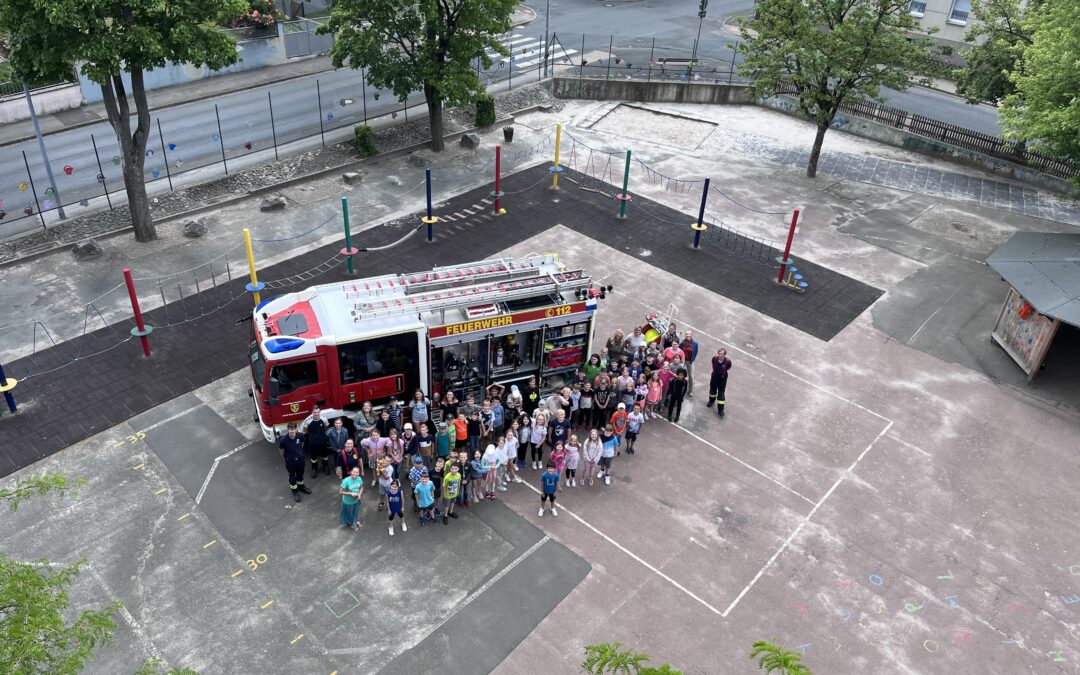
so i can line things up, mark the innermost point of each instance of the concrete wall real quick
(53, 99)
(701, 92)
(648, 92)
(254, 54)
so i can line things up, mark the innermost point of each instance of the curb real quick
(314, 175)
(525, 9)
(195, 99)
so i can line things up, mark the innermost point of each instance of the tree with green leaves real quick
(773, 658)
(610, 658)
(433, 45)
(830, 52)
(1001, 31)
(35, 636)
(1044, 110)
(107, 38)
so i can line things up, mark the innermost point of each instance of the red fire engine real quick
(459, 328)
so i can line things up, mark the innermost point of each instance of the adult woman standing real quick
(351, 490)
(365, 421)
(615, 344)
(420, 407)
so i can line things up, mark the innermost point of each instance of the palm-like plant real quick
(610, 658)
(776, 658)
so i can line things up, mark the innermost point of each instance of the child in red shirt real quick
(461, 432)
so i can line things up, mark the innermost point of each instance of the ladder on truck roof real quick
(496, 291)
(450, 275)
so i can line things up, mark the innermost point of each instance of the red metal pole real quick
(141, 332)
(498, 167)
(785, 261)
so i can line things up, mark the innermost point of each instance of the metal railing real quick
(16, 88)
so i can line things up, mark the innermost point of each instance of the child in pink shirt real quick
(655, 393)
(558, 457)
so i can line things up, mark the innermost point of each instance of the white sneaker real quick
(501, 488)
(404, 527)
(600, 475)
(607, 480)
(554, 512)
(573, 482)
(540, 512)
(517, 479)
(391, 530)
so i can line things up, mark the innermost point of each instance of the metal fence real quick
(15, 89)
(959, 136)
(302, 40)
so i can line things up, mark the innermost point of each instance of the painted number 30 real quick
(259, 560)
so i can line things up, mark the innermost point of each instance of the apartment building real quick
(950, 17)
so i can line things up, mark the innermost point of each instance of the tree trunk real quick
(132, 146)
(435, 121)
(815, 152)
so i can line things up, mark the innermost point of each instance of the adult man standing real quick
(316, 445)
(291, 446)
(689, 348)
(721, 364)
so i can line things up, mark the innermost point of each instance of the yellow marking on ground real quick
(139, 466)
(184, 516)
(161, 490)
(211, 543)
(237, 573)
(266, 605)
(296, 639)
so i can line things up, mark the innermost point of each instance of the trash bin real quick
(508, 134)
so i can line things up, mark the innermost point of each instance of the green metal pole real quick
(348, 234)
(624, 197)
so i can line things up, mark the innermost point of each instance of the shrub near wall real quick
(364, 137)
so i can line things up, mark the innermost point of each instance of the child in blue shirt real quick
(549, 484)
(425, 497)
(395, 500)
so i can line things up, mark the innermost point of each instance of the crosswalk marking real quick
(533, 52)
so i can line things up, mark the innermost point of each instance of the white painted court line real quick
(213, 468)
(173, 418)
(637, 558)
(791, 537)
(748, 466)
(465, 603)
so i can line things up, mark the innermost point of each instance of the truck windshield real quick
(258, 366)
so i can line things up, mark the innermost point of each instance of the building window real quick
(917, 8)
(960, 11)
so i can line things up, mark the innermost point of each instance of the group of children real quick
(437, 458)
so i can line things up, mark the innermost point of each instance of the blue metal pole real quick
(701, 215)
(430, 221)
(6, 388)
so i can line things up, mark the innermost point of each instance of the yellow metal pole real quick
(251, 264)
(555, 170)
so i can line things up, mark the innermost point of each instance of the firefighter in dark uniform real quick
(316, 443)
(292, 452)
(721, 364)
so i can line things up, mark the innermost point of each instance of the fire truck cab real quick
(459, 328)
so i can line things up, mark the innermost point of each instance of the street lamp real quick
(701, 18)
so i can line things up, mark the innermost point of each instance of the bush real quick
(485, 111)
(260, 14)
(365, 140)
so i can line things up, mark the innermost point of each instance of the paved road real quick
(238, 124)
